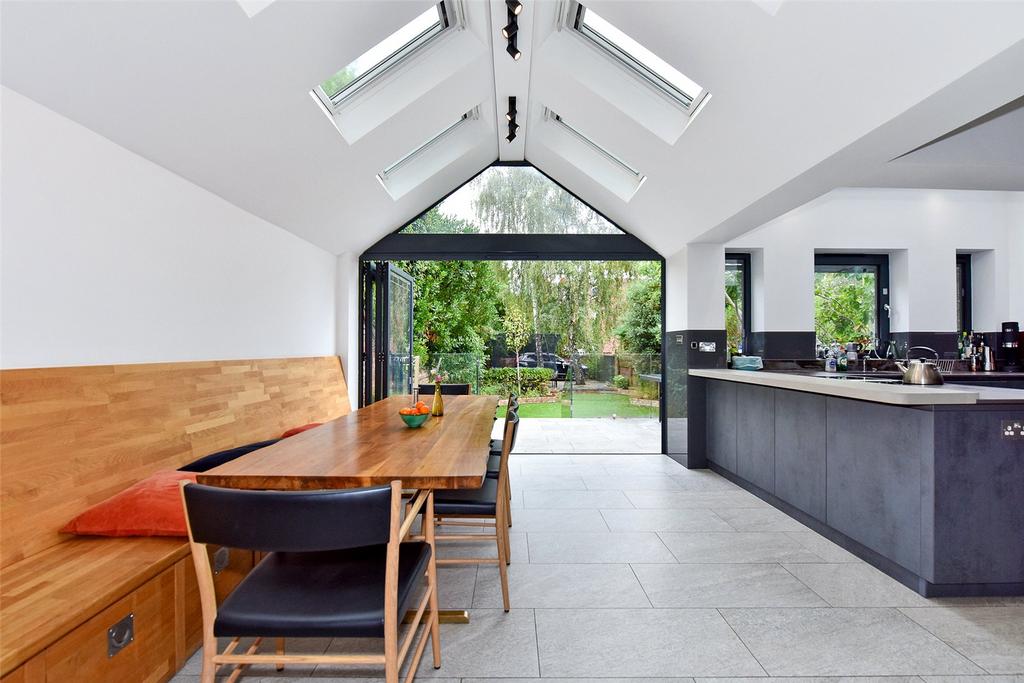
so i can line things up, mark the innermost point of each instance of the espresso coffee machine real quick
(1010, 343)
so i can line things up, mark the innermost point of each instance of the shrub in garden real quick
(502, 381)
(620, 382)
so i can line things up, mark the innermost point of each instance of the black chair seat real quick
(493, 466)
(338, 593)
(481, 501)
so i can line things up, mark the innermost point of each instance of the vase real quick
(437, 410)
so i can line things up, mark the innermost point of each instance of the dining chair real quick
(336, 567)
(494, 458)
(485, 507)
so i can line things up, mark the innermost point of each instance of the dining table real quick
(373, 446)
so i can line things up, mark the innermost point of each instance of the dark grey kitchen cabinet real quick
(873, 486)
(721, 424)
(800, 451)
(755, 436)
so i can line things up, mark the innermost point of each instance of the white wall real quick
(694, 282)
(109, 258)
(347, 319)
(921, 230)
(1015, 246)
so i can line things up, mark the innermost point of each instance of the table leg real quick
(444, 616)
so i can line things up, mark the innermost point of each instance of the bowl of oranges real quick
(415, 416)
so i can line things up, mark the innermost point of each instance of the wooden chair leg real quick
(508, 498)
(435, 624)
(500, 528)
(280, 650)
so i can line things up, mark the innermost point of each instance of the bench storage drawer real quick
(147, 653)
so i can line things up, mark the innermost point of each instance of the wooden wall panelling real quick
(71, 437)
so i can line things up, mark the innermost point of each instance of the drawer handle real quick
(120, 635)
(221, 560)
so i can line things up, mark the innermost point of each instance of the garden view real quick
(572, 338)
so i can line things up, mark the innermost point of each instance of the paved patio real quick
(586, 435)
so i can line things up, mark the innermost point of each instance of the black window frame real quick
(744, 259)
(963, 266)
(882, 290)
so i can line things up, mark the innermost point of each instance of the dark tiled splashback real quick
(943, 342)
(684, 409)
(780, 344)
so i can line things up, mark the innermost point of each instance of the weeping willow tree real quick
(579, 300)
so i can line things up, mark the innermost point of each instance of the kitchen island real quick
(925, 483)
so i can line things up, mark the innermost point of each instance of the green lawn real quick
(586, 404)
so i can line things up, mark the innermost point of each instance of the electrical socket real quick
(1013, 429)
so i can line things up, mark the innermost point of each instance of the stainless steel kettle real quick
(920, 370)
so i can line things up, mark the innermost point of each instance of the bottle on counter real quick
(843, 362)
(830, 361)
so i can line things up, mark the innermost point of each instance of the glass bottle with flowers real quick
(437, 410)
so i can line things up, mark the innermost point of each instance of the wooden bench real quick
(71, 437)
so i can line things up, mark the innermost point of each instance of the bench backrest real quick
(71, 437)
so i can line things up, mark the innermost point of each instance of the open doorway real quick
(538, 294)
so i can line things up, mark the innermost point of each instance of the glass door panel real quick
(400, 326)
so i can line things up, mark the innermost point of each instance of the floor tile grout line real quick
(536, 642)
(743, 642)
(803, 583)
(641, 583)
(902, 612)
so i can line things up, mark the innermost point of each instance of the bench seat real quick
(46, 596)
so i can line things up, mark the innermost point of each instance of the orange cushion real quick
(151, 507)
(298, 430)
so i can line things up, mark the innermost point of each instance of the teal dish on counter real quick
(747, 363)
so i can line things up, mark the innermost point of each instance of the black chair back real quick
(289, 521)
(446, 390)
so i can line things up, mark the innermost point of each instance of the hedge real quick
(502, 381)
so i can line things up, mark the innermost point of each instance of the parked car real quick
(552, 362)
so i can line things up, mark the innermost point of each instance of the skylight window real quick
(645, 63)
(637, 175)
(432, 142)
(384, 55)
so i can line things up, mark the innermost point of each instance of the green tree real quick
(640, 328)
(517, 333)
(455, 303)
(844, 307)
(734, 331)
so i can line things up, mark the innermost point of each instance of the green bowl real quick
(414, 421)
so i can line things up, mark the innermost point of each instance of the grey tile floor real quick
(587, 435)
(640, 570)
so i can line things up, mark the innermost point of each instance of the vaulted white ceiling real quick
(806, 96)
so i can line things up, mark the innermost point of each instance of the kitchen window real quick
(384, 55)
(851, 299)
(963, 292)
(737, 301)
(637, 58)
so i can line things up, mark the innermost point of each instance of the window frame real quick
(471, 115)
(882, 292)
(965, 295)
(444, 24)
(641, 178)
(745, 287)
(577, 22)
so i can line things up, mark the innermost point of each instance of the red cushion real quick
(152, 507)
(298, 430)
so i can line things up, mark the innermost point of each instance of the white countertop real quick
(896, 394)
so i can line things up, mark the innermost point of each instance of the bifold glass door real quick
(386, 308)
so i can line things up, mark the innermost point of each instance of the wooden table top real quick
(372, 446)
